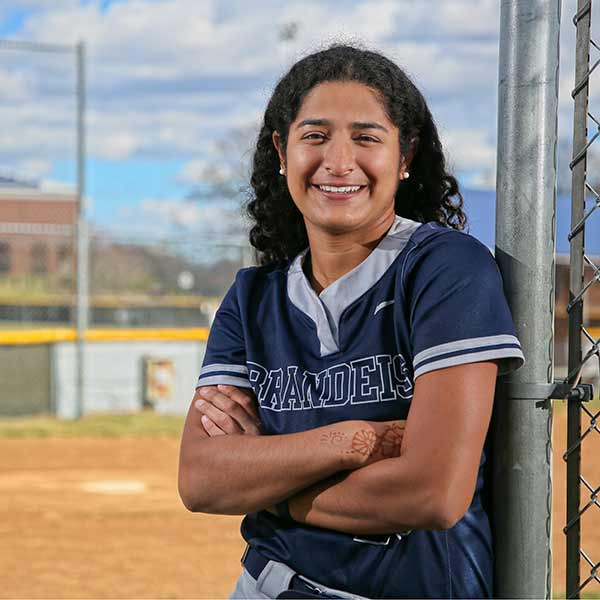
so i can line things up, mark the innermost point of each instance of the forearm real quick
(238, 474)
(385, 497)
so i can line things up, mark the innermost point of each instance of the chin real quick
(339, 223)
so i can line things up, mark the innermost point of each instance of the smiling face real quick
(342, 137)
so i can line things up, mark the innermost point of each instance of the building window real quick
(65, 257)
(4, 257)
(39, 258)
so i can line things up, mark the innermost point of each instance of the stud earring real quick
(281, 171)
(406, 175)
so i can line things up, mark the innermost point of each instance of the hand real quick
(227, 410)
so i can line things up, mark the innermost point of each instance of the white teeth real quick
(343, 190)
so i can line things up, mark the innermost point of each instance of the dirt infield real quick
(100, 518)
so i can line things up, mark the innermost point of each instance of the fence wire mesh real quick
(582, 576)
(37, 275)
(134, 282)
(159, 283)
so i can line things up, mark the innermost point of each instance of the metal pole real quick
(82, 234)
(82, 238)
(525, 244)
(580, 94)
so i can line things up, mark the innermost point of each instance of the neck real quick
(333, 255)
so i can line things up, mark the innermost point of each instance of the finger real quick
(244, 397)
(218, 417)
(232, 409)
(210, 427)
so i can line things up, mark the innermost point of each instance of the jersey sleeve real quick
(458, 310)
(225, 357)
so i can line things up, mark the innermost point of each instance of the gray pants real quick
(274, 580)
(246, 587)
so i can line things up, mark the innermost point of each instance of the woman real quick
(373, 325)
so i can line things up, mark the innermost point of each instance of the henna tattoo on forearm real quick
(334, 438)
(365, 442)
(368, 443)
(391, 441)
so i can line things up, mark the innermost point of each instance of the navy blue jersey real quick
(426, 298)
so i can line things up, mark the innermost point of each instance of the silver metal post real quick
(525, 245)
(82, 238)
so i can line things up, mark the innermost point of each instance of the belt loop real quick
(275, 578)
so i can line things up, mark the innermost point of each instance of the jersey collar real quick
(326, 308)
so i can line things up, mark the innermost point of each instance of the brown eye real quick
(314, 136)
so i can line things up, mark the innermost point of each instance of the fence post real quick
(525, 245)
(82, 240)
(583, 22)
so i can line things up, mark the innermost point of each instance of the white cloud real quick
(469, 149)
(483, 180)
(193, 171)
(34, 168)
(464, 17)
(166, 78)
(183, 55)
(172, 211)
(215, 220)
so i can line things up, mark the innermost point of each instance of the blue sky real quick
(170, 80)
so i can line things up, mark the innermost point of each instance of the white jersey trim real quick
(466, 344)
(224, 380)
(223, 367)
(461, 359)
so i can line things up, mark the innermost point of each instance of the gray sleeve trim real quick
(466, 344)
(223, 379)
(223, 367)
(502, 353)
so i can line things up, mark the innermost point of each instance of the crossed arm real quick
(330, 477)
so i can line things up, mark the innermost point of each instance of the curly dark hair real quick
(278, 231)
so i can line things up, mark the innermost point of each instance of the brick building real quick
(37, 228)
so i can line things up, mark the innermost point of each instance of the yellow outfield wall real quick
(37, 370)
(18, 337)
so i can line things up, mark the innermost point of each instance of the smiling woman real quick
(347, 387)
(342, 172)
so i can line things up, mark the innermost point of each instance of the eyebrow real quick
(354, 125)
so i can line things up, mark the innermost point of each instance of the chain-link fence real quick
(134, 282)
(168, 283)
(37, 275)
(583, 441)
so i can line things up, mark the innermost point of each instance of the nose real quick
(339, 157)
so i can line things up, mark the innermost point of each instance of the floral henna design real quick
(391, 441)
(386, 445)
(368, 443)
(334, 438)
(365, 442)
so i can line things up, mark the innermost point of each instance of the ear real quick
(277, 143)
(406, 159)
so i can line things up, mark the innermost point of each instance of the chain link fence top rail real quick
(584, 299)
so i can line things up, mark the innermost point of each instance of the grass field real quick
(90, 510)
